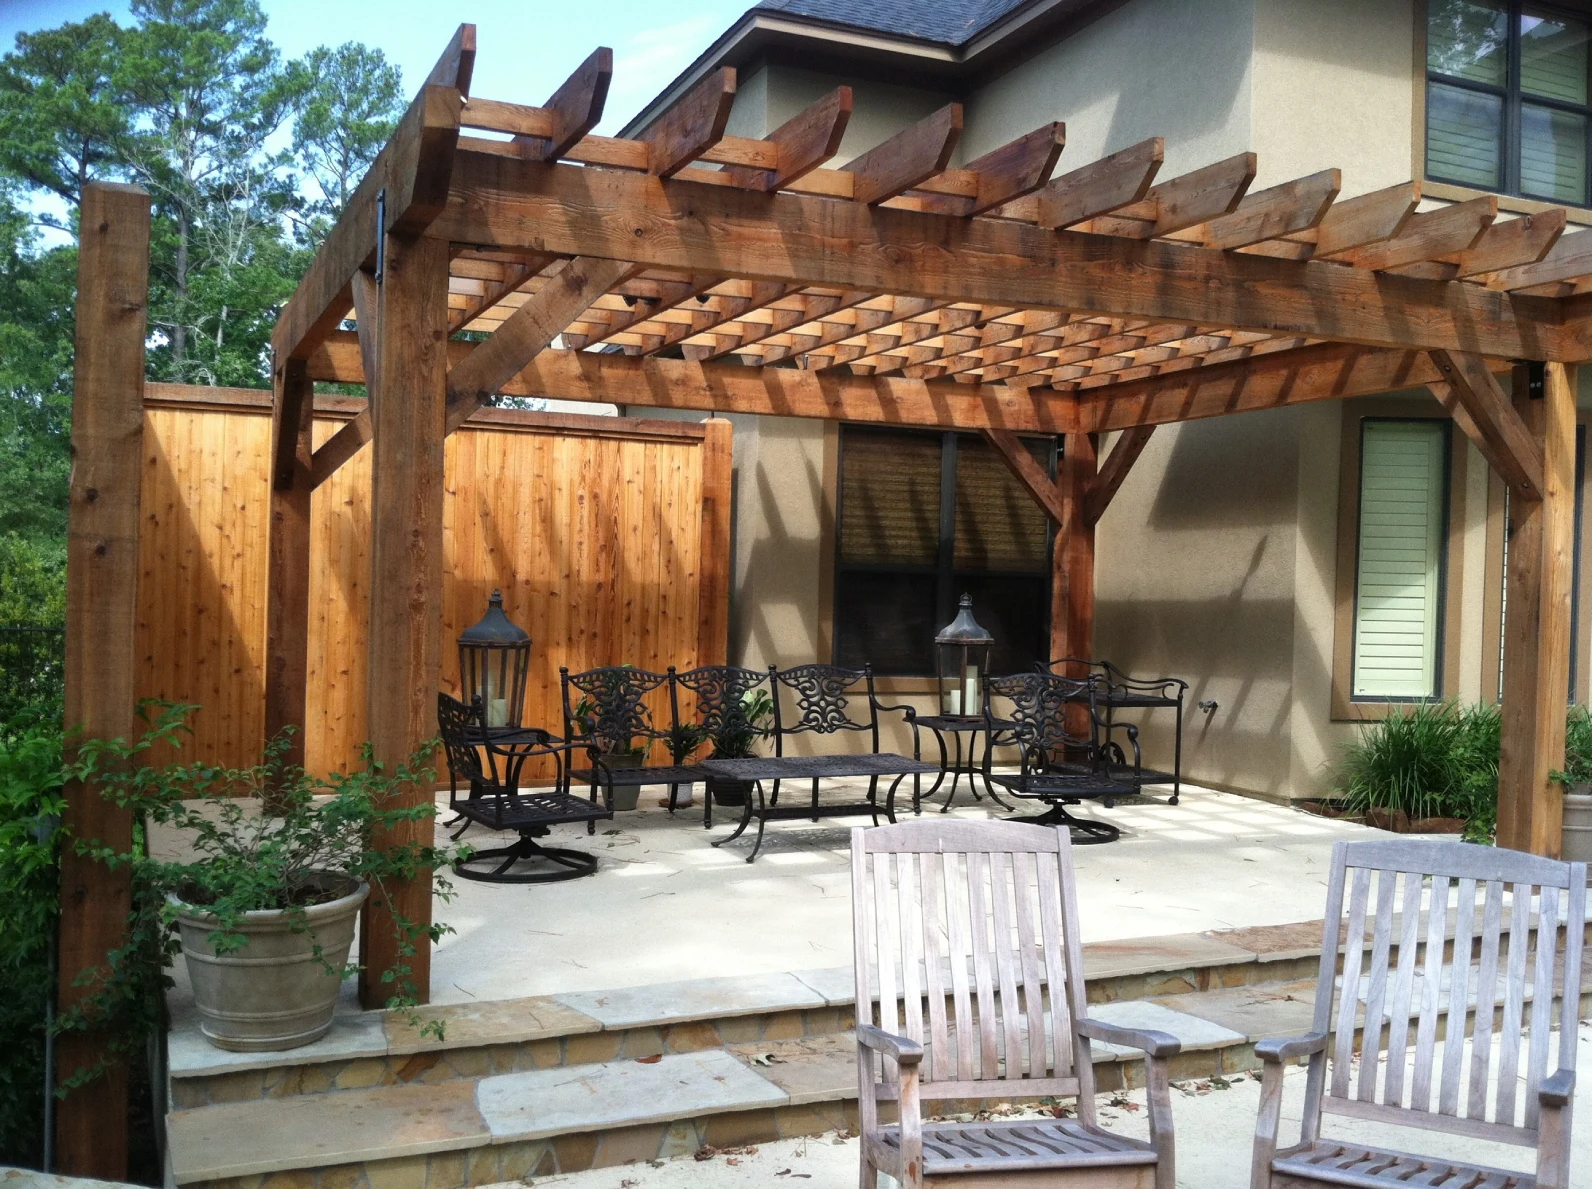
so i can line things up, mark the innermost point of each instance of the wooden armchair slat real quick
(970, 986)
(1447, 923)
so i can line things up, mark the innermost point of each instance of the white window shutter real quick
(1398, 594)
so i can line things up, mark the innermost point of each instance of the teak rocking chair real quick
(966, 934)
(1517, 925)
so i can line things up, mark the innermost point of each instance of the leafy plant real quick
(31, 803)
(684, 738)
(246, 860)
(744, 722)
(1438, 760)
(1577, 747)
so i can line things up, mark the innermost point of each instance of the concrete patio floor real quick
(665, 905)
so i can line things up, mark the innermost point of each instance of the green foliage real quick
(1577, 747)
(743, 724)
(262, 837)
(1439, 760)
(30, 803)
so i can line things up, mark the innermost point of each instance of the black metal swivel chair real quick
(488, 765)
(1057, 768)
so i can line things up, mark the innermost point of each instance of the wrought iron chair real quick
(1511, 913)
(717, 694)
(957, 917)
(612, 719)
(495, 801)
(1036, 724)
(826, 700)
(1123, 692)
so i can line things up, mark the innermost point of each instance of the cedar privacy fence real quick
(600, 531)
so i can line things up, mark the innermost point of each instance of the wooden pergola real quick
(688, 269)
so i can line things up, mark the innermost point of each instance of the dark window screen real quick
(925, 517)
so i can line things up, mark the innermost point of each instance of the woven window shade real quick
(890, 498)
(998, 524)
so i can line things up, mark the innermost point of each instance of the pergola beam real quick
(814, 241)
(1103, 487)
(1505, 441)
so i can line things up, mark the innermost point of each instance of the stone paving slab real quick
(545, 1102)
(503, 1021)
(813, 1069)
(704, 998)
(1148, 955)
(238, 1139)
(1195, 1033)
(1256, 1013)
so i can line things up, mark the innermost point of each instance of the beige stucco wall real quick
(1166, 68)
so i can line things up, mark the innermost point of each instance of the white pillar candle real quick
(497, 712)
(970, 697)
(953, 702)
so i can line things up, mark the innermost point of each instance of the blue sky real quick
(526, 48)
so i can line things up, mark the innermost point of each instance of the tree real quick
(61, 119)
(346, 103)
(208, 90)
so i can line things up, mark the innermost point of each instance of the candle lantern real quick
(961, 659)
(494, 657)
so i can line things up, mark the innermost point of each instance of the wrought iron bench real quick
(715, 712)
(612, 719)
(1122, 692)
(812, 701)
(494, 799)
(1035, 723)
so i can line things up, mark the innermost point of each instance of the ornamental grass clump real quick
(1432, 761)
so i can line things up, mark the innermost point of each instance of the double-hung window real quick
(1507, 100)
(924, 517)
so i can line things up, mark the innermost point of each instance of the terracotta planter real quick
(272, 994)
(1577, 844)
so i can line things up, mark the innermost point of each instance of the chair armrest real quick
(1159, 1045)
(898, 1048)
(1280, 1049)
(1557, 1089)
(910, 711)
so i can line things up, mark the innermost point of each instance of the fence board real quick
(592, 527)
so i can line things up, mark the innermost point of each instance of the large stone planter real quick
(272, 994)
(1577, 844)
(626, 796)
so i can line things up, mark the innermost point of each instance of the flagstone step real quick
(367, 1049)
(476, 1131)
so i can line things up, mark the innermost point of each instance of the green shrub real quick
(30, 799)
(1439, 760)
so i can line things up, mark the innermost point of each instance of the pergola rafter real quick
(691, 269)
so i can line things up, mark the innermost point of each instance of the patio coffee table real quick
(815, 768)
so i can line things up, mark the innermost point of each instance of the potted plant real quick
(278, 864)
(609, 725)
(735, 737)
(1577, 781)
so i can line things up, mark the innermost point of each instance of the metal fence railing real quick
(32, 672)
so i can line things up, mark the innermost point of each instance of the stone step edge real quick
(741, 1088)
(1113, 970)
(738, 1084)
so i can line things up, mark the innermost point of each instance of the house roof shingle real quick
(946, 22)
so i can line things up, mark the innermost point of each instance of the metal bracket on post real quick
(381, 234)
(1536, 379)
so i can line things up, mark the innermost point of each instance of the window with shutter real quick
(1399, 568)
(923, 518)
(1507, 98)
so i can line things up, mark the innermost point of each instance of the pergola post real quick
(409, 415)
(1537, 623)
(288, 559)
(1073, 559)
(101, 613)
